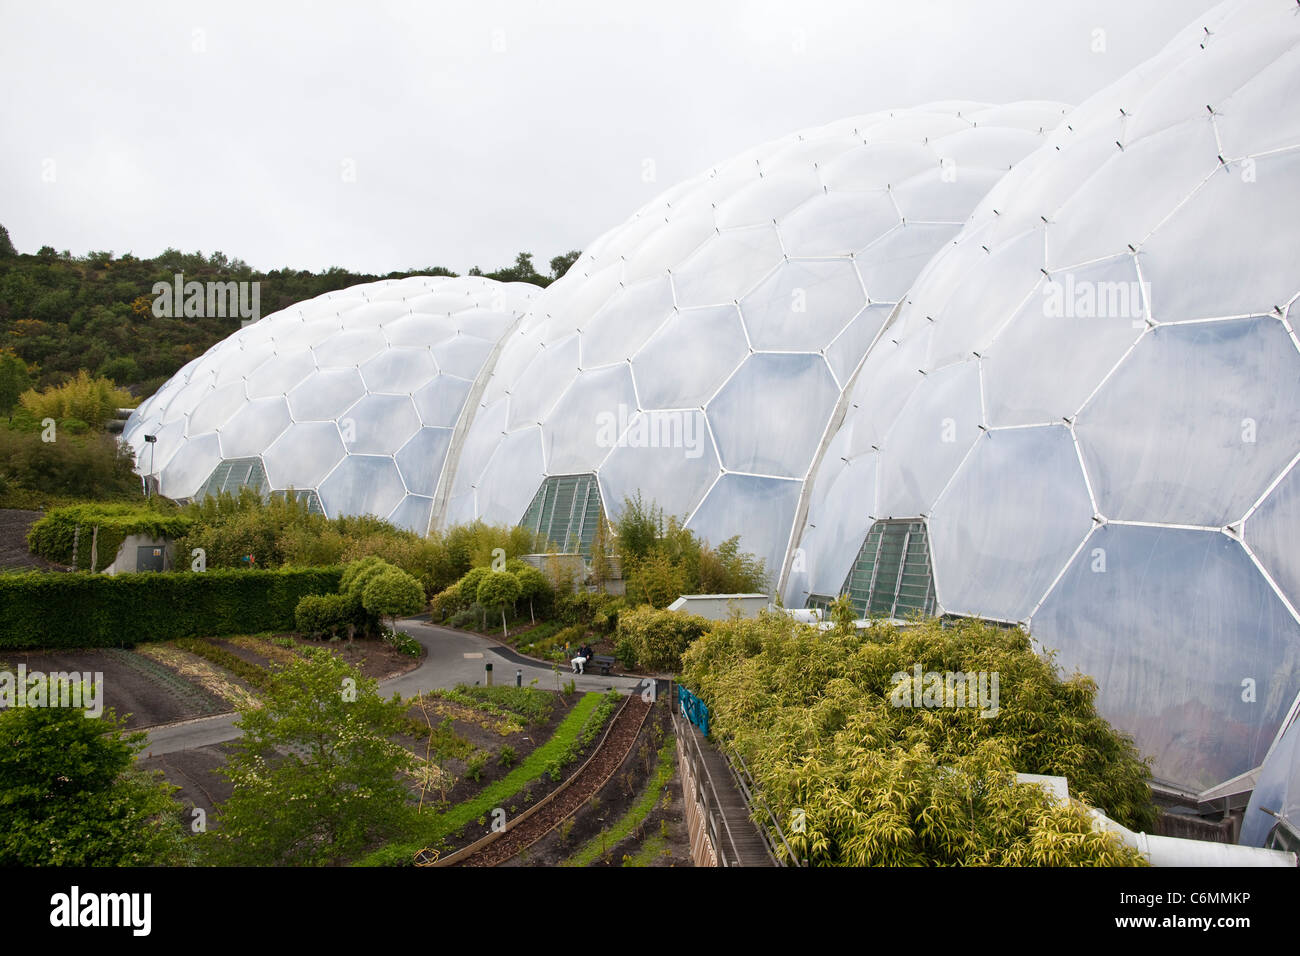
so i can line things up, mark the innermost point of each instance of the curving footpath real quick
(450, 657)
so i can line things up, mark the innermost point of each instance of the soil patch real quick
(197, 773)
(142, 690)
(14, 525)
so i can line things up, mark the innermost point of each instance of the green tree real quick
(563, 263)
(468, 587)
(316, 776)
(70, 794)
(122, 370)
(524, 265)
(392, 594)
(8, 251)
(600, 549)
(637, 528)
(533, 587)
(728, 570)
(657, 580)
(498, 590)
(14, 380)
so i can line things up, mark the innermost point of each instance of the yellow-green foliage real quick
(282, 532)
(657, 638)
(91, 400)
(662, 559)
(878, 784)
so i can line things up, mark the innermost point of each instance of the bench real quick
(604, 662)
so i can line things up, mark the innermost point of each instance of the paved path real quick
(451, 657)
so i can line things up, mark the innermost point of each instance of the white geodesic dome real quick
(1272, 818)
(351, 398)
(1090, 404)
(696, 353)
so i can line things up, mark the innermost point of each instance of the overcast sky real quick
(382, 136)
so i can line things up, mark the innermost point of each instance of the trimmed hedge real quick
(52, 536)
(43, 610)
(329, 615)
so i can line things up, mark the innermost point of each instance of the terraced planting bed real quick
(545, 755)
(635, 819)
(584, 784)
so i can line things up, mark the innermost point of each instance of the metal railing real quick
(691, 716)
(749, 790)
(715, 823)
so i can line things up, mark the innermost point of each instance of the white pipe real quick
(1176, 851)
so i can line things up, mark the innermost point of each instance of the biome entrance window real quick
(565, 511)
(891, 575)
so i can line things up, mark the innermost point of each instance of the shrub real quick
(468, 587)
(404, 643)
(467, 618)
(605, 620)
(447, 602)
(357, 573)
(74, 796)
(657, 638)
(92, 400)
(475, 764)
(625, 651)
(91, 466)
(391, 593)
(569, 636)
(328, 615)
(662, 559)
(585, 608)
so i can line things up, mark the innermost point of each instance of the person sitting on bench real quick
(580, 662)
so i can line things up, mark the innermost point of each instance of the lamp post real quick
(152, 440)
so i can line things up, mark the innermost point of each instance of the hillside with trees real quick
(61, 313)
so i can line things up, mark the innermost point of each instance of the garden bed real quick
(143, 691)
(552, 752)
(629, 816)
